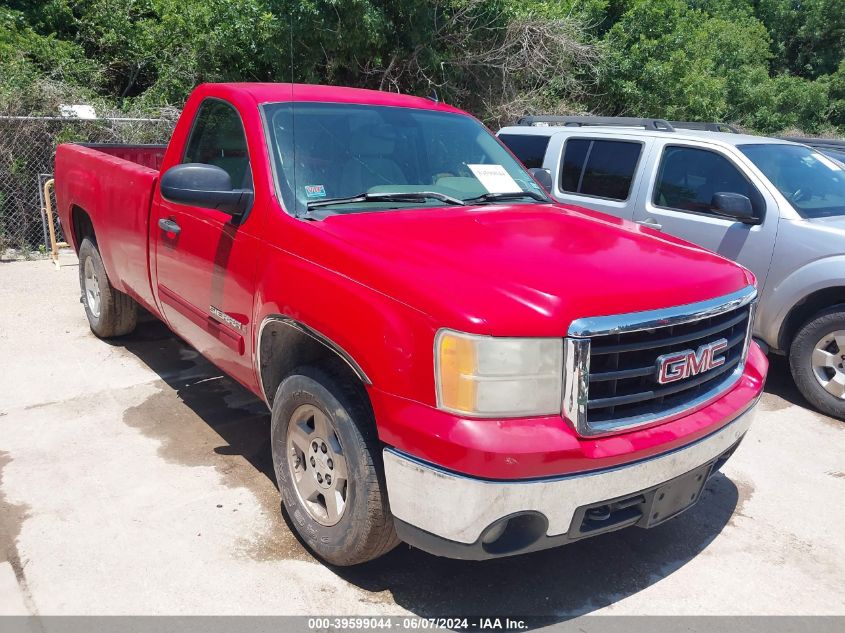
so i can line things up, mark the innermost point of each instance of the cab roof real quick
(286, 92)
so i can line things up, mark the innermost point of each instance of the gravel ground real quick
(136, 479)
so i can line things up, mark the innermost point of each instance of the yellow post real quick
(48, 202)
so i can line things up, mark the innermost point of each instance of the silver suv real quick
(775, 206)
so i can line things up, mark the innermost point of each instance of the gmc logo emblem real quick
(689, 363)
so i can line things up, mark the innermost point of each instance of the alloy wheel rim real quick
(317, 464)
(829, 363)
(92, 288)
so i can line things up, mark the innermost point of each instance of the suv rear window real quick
(530, 149)
(604, 169)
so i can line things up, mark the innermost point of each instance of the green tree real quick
(767, 64)
(705, 60)
(836, 91)
(29, 59)
(808, 36)
(668, 60)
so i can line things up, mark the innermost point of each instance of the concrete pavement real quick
(136, 479)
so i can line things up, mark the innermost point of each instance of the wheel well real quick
(806, 308)
(285, 344)
(82, 226)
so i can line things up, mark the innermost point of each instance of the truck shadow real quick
(555, 584)
(548, 586)
(779, 382)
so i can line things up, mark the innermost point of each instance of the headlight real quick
(487, 376)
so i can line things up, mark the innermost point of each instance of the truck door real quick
(683, 179)
(204, 258)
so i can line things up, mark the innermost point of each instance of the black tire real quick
(801, 354)
(365, 529)
(118, 313)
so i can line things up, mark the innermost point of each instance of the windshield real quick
(813, 183)
(330, 152)
(835, 154)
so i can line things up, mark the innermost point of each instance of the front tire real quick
(817, 361)
(327, 461)
(110, 312)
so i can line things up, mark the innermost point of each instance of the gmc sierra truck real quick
(450, 358)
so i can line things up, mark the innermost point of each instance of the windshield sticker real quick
(315, 191)
(495, 178)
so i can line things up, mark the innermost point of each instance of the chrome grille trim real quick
(576, 381)
(577, 353)
(650, 319)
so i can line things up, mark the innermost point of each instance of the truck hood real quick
(523, 269)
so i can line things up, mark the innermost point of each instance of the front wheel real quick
(328, 466)
(817, 361)
(109, 311)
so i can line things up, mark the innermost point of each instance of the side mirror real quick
(206, 186)
(543, 176)
(734, 205)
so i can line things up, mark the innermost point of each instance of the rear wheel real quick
(328, 466)
(109, 311)
(817, 361)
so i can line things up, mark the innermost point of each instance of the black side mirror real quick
(206, 186)
(543, 176)
(734, 205)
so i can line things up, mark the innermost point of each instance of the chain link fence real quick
(27, 149)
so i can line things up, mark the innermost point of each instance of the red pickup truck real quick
(450, 358)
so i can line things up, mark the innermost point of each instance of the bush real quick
(762, 63)
(771, 105)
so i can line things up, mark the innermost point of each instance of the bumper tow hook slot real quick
(602, 513)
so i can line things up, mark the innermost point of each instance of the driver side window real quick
(218, 139)
(689, 177)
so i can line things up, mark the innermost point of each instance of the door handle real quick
(170, 226)
(651, 223)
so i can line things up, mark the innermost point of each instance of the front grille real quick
(612, 362)
(623, 367)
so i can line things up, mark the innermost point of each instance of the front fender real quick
(392, 343)
(776, 303)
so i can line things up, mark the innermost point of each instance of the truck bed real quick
(147, 155)
(113, 185)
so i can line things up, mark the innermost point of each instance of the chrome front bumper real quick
(458, 509)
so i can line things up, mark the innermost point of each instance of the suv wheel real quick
(817, 361)
(328, 466)
(109, 311)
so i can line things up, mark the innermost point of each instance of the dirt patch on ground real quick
(209, 420)
(745, 491)
(11, 518)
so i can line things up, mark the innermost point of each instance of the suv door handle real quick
(651, 223)
(170, 226)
